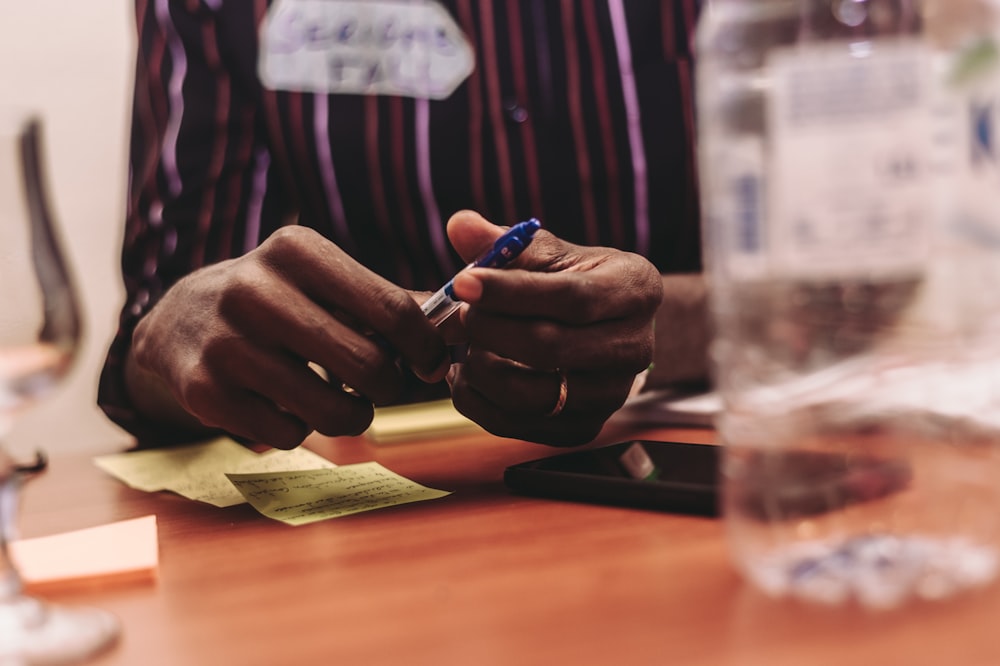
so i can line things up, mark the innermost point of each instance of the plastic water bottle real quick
(851, 202)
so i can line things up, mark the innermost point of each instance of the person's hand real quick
(232, 342)
(559, 313)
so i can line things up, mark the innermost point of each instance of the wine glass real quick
(39, 335)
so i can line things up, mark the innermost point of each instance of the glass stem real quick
(10, 482)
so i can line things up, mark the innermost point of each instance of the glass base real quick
(37, 632)
(879, 571)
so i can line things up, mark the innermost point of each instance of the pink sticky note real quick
(127, 548)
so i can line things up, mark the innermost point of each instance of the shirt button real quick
(515, 112)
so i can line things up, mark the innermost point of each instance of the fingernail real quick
(468, 287)
(438, 373)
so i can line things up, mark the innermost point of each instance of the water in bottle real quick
(851, 203)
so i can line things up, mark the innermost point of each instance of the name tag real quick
(363, 47)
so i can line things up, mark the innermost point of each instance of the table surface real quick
(482, 576)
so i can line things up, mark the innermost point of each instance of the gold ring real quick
(561, 401)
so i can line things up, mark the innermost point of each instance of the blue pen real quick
(506, 248)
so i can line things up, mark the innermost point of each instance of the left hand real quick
(584, 312)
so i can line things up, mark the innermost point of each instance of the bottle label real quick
(967, 117)
(847, 192)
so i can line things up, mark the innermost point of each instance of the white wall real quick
(73, 61)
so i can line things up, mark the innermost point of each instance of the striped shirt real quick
(577, 112)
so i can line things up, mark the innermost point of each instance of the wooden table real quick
(480, 577)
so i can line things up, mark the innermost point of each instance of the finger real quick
(321, 270)
(295, 388)
(592, 290)
(557, 431)
(452, 328)
(471, 234)
(511, 387)
(283, 317)
(618, 345)
(253, 418)
(526, 391)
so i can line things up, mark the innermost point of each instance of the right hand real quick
(232, 342)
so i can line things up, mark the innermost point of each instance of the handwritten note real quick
(304, 497)
(198, 472)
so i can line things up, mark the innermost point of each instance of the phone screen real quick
(665, 462)
(684, 478)
(671, 476)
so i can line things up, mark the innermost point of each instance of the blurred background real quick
(73, 61)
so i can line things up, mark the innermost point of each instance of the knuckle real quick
(646, 285)
(141, 344)
(287, 241)
(399, 301)
(582, 308)
(632, 355)
(244, 284)
(548, 345)
(642, 353)
(355, 354)
(196, 391)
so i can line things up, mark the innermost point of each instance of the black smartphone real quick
(684, 478)
(669, 476)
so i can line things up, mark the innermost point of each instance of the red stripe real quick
(604, 119)
(299, 146)
(527, 127)
(277, 147)
(576, 122)
(313, 198)
(141, 7)
(687, 102)
(496, 109)
(143, 175)
(220, 135)
(476, 178)
(159, 97)
(374, 163)
(690, 20)
(398, 144)
(379, 208)
(244, 139)
(668, 28)
(139, 234)
(687, 106)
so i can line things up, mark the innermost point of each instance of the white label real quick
(848, 179)
(363, 47)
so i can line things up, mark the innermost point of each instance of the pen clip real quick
(507, 248)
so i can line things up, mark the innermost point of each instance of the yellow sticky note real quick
(125, 549)
(198, 471)
(437, 418)
(304, 497)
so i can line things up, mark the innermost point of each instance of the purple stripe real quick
(179, 61)
(631, 98)
(255, 205)
(321, 128)
(435, 226)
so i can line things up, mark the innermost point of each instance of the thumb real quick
(471, 234)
